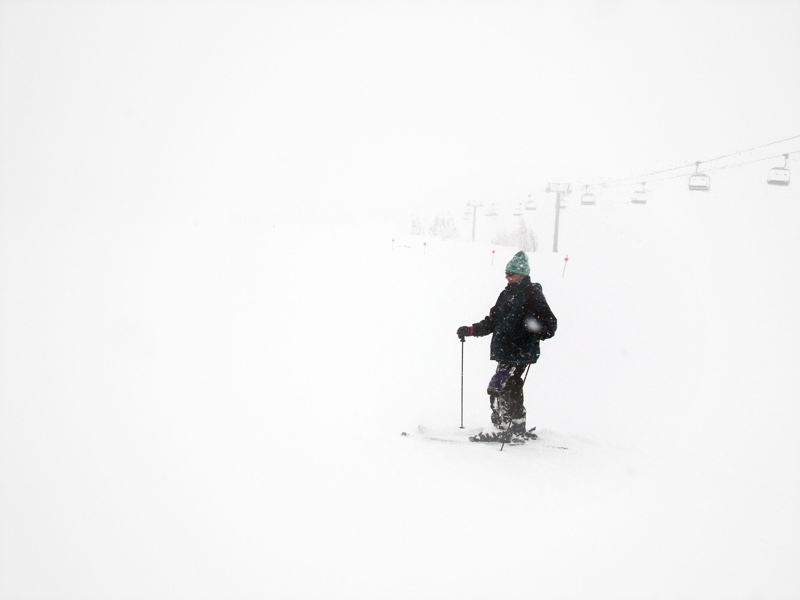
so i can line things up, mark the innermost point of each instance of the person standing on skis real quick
(518, 321)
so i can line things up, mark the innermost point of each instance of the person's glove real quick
(464, 331)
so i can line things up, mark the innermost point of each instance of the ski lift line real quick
(621, 181)
(632, 180)
(755, 160)
(750, 149)
(739, 164)
(637, 178)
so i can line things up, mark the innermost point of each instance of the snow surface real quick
(214, 410)
(206, 366)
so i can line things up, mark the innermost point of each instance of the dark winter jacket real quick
(520, 318)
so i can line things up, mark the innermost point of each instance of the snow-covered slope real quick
(215, 410)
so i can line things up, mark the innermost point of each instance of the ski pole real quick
(462, 383)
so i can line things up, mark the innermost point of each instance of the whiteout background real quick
(209, 346)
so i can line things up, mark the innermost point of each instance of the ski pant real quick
(506, 398)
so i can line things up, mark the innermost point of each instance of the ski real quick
(457, 435)
(446, 434)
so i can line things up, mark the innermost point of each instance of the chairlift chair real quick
(518, 211)
(779, 175)
(639, 196)
(492, 211)
(530, 205)
(699, 181)
(588, 199)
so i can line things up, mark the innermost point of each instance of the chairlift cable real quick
(755, 160)
(622, 181)
(751, 149)
(636, 178)
(738, 164)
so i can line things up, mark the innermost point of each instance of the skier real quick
(519, 320)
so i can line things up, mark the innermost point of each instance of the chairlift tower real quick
(561, 191)
(475, 205)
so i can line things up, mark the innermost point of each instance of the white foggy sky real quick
(187, 109)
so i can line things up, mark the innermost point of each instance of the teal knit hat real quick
(519, 264)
